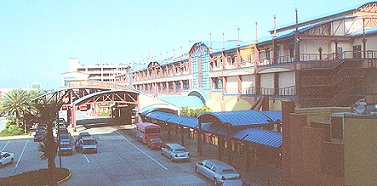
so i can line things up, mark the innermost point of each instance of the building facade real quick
(328, 61)
(98, 72)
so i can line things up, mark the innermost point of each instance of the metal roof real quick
(149, 109)
(237, 118)
(274, 115)
(214, 129)
(217, 46)
(78, 101)
(264, 137)
(368, 31)
(174, 118)
(183, 101)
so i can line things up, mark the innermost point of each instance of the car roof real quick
(175, 146)
(219, 164)
(87, 138)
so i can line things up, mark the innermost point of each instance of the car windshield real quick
(89, 142)
(227, 171)
(64, 137)
(64, 145)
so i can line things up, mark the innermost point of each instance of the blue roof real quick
(149, 109)
(289, 33)
(237, 118)
(274, 115)
(217, 46)
(264, 137)
(214, 129)
(174, 118)
(367, 31)
(183, 101)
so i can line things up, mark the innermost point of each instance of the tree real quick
(17, 101)
(194, 112)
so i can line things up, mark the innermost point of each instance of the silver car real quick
(218, 171)
(175, 152)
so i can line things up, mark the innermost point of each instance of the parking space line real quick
(5, 146)
(142, 151)
(86, 158)
(19, 159)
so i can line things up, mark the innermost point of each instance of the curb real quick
(66, 178)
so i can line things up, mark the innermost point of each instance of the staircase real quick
(340, 86)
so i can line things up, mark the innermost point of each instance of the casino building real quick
(327, 61)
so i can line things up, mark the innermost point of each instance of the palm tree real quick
(15, 102)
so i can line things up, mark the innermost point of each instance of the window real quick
(291, 53)
(268, 56)
(357, 51)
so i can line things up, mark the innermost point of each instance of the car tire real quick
(12, 161)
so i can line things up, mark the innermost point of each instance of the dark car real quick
(155, 143)
(39, 136)
(65, 149)
(87, 145)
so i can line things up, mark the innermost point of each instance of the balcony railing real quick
(287, 91)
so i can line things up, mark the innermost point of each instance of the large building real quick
(327, 61)
(98, 72)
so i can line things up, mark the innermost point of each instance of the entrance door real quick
(357, 51)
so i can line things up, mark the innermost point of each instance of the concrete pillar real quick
(276, 83)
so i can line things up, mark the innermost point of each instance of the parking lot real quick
(121, 160)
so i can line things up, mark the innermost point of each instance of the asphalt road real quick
(121, 160)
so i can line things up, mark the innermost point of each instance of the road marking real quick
(86, 158)
(142, 151)
(5, 146)
(19, 159)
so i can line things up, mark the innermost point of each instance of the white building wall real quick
(232, 85)
(267, 83)
(248, 84)
(311, 47)
(370, 45)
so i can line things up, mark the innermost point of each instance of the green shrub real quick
(12, 130)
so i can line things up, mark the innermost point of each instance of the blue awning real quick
(264, 137)
(174, 118)
(214, 129)
(274, 115)
(237, 118)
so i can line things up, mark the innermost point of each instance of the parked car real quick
(218, 171)
(87, 145)
(65, 138)
(65, 149)
(6, 157)
(39, 136)
(175, 152)
(83, 134)
(155, 143)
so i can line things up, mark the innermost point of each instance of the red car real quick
(155, 143)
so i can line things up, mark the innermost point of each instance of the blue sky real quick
(37, 37)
